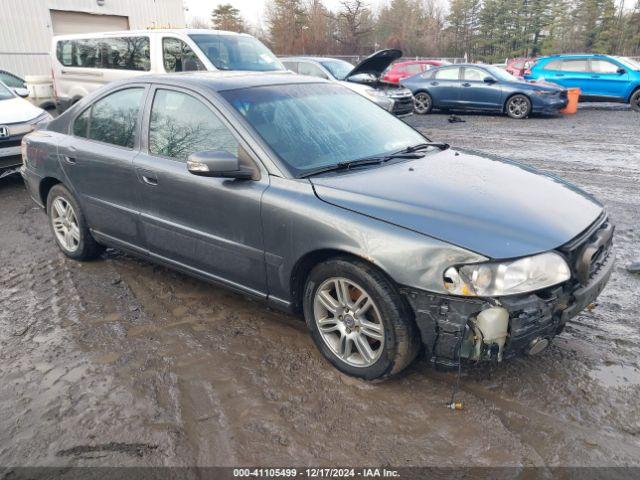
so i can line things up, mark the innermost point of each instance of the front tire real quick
(69, 226)
(518, 107)
(422, 103)
(358, 320)
(635, 101)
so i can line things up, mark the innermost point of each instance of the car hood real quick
(492, 206)
(17, 110)
(376, 63)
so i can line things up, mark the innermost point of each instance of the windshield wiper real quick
(422, 146)
(376, 160)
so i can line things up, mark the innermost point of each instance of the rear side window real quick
(574, 65)
(121, 53)
(413, 69)
(181, 125)
(112, 119)
(179, 57)
(306, 68)
(603, 66)
(553, 65)
(293, 66)
(448, 74)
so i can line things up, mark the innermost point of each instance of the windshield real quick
(628, 62)
(502, 74)
(311, 126)
(338, 68)
(5, 93)
(237, 52)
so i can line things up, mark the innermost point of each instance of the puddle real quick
(617, 376)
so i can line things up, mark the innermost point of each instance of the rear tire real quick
(635, 101)
(377, 341)
(518, 107)
(69, 226)
(422, 103)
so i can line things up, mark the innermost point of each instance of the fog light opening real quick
(537, 345)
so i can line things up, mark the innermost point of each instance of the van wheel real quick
(358, 320)
(69, 227)
(518, 107)
(635, 101)
(422, 103)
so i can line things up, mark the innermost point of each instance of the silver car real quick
(301, 193)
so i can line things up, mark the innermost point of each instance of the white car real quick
(17, 118)
(365, 78)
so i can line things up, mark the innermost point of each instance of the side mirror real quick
(489, 80)
(220, 164)
(621, 71)
(21, 92)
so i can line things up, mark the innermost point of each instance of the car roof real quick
(128, 33)
(222, 81)
(308, 59)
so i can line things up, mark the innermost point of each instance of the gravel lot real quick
(120, 362)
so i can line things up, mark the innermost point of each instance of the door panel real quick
(605, 79)
(98, 161)
(209, 225)
(444, 87)
(475, 93)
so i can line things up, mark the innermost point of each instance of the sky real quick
(252, 10)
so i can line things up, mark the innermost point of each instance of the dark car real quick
(308, 196)
(483, 87)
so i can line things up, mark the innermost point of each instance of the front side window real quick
(236, 52)
(474, 74)
(306, 68)
(181, 125)
(603, 66)
(574, 65)
(11, 80)
(112, 119)
(179, 57)
(311, 126)
(293, 66)
(448, 74)
(5, 93)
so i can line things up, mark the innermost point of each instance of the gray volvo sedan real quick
(304, 194)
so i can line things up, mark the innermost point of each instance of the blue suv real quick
(599, 77)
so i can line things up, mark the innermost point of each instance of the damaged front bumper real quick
(448, 324)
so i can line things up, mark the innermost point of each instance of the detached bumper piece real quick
(451, 327)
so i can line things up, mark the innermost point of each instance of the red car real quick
(400, 70)
(519, 67)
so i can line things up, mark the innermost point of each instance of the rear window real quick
(121, 53)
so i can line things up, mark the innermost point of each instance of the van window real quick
(181, 125)
(237, 52)
(122, 53)
(112, 119)
(178, 56)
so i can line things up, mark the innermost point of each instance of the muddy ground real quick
(120, 362)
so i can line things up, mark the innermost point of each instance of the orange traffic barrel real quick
(573, 94)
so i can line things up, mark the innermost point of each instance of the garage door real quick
(65, 22)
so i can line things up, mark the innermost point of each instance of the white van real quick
(83, 63)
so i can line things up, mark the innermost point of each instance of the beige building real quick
(26, 26)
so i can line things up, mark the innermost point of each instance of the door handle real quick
(559, 74)
(147, 176)
(69, 160)
(466, 84)
(149, 179)
(434, 83)
(595, 76)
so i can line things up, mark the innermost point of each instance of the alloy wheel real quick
(518, 107)
(422, 103)
(65, 224)
(349, 321)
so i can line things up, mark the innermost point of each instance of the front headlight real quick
(545, 92)
(373, 93)
(494, 279)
